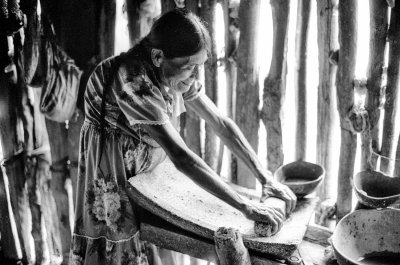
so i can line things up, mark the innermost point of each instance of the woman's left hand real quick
(281, 191)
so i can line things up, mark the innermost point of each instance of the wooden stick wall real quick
(86, 31)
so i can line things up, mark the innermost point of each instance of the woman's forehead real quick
(196, 59)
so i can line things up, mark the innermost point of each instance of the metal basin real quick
(368, 237)
(300, 176)
(375, 189)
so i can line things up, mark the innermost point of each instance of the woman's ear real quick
(157, 56)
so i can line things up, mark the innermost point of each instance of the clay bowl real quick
(368, 237)
(375, 189)
(300, 176)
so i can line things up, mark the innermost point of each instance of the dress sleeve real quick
(194, 91)
(141, 102)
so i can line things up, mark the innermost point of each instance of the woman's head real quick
(179, 44)
(179, 33)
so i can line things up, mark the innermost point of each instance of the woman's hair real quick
(178, 33)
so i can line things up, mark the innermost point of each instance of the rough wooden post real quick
(15, 231)
(231, 12)
(392, 86)
(378, 29)
(106, 33)
(275, 84)
(207, 13)
(192, 123)
(230, 248)
(247, 85)
(345, 100)
(300, 76)
(327, 23)
(60, 172)
(139, 22)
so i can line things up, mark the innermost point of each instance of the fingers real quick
(275, 218)
(290, 200)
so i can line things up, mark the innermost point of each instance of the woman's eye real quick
(188, 67)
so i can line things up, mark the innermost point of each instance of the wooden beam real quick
(60, 172)
(247, 115)
(327, 23)
(106, 34)
(11, 140)
(378, 32)
(392, 87)
(345, 100)
(275, 84)
(300, 76)
(165, 235)
(207, 13)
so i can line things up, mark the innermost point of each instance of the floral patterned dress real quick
(106, 227)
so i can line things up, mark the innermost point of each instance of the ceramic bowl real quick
(300, 176)
(368, 237)
(375, 189)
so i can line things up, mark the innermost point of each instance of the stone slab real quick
(168, 193)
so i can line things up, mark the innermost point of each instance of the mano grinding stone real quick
(264, 228)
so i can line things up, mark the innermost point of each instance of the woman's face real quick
(179, 73)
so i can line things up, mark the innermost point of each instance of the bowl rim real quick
(363, 193)
(321, 176)
(342, 220)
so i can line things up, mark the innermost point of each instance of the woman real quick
(130, 130)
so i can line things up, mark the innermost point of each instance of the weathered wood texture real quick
(58, 136)
(378, 30)
(139, 20)
(327, 23)
(168, 193)
(300, 76)
(41, 195)
(392, 87)
(275, 84)
(14, 203)
(192, 124)
(230, 248)
(156, 231)
(231, 12)
(207, 13)
(345, 100)
(247, 86)
(106, 34)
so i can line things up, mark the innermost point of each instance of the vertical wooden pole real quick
(345, 100)
(275, 84)
(139, 23)
(378, 29)
(302, 26)
(392, 87)
(192, 125)
(15, 228)
(247, 86)
(107, 28)
(60, 172)
(231, 45)
(207, 13)
(327, 23)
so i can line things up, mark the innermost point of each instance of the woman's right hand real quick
(264, 213)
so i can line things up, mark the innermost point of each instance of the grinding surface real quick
(173, 196)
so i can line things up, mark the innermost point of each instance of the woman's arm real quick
(232, 136)
(195, 168)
